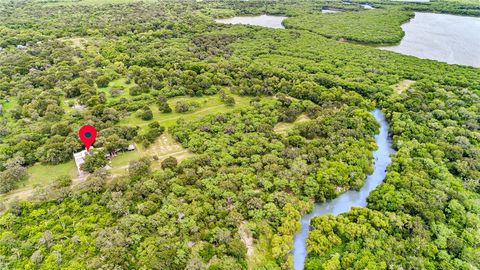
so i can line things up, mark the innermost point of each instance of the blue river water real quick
(347, 200)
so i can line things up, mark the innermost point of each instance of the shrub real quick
(103, 81)
(169, 163)
(94, 160)
(62, 181)
(146, 114)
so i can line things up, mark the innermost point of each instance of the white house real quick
(79, 160)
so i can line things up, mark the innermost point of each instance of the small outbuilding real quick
(131, 147)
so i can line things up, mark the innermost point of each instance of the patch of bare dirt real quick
(284, 127)
(402, 86)
(247, 238)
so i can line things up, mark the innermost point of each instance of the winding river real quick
(351, 198)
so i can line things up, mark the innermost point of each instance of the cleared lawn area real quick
(40, 174)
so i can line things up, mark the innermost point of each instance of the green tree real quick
(146, 113)
(102, 81)
(169, 163)
(94, 160)
(164, 107)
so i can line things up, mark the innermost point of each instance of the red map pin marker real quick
(87, 134)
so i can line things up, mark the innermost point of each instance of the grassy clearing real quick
(208, 105)
(124, 158)
(283, 127)
(77, 42)
(64, 104)
(402, 86)
(164, 147)
(8, 105)
(41, 174)
(118, 83)
(247, 238)
(21, 193)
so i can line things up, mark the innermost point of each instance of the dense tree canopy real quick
(372, 26)
(236, 202)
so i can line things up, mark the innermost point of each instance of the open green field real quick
(208, 105)
(40, 174)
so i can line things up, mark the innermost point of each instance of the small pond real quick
(262, 20)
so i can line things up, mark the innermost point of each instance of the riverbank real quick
(351, 198)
